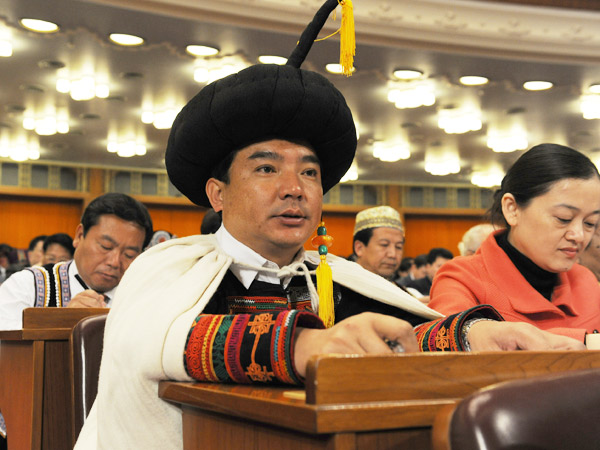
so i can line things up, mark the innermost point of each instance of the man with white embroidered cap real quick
(378, 240)
(261, 146)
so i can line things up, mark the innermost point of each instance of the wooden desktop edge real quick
(367, 396)
(49, 323)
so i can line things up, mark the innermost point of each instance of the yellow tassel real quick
(323, 241)
(347, 38)
(325, 291)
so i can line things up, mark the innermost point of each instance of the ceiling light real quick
(594, 88)
(201, 74)
(459, 121)
(47, 122)
(407, 74)
(5, 48)
(390, 152)
(19, 148)
(351, 175)
(81, 87)
(202, 50)
(595, 157)
(510, 141)
(39, 26)
(163, 120)
(473, 80)
(126, 39)
(270, 59)
(209, 70)
(336, 69)
(126, 145)
(590, 106)
(537, 85)
(487, 179)
(442, 162)
(411, 95)
(161, 117)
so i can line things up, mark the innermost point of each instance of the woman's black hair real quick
(534, 173)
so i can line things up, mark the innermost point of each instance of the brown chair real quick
(86, 353)
(559, 411)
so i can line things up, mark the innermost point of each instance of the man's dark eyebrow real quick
(311, 158)
(266, 154)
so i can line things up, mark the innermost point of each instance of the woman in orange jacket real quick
(548, 207)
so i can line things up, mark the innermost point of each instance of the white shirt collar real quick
(243, 254)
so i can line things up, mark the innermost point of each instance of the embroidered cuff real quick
(445, 334)
(245, 348)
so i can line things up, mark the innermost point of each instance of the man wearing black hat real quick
(261, 146)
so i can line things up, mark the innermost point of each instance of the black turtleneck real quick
(541, 280)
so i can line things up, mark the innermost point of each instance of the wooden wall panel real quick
(341, 227)
(181, 221)
(424, 232)
(23, 218)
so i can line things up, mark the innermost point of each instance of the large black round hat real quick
(260, 103)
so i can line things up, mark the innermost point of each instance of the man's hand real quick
(361, 334)
(488, 335)
(87, 299)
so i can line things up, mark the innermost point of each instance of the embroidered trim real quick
(42, 285)
(446, 334)
(245, 348)
(65, 290)
(51, 284)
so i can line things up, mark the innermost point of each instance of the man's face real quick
(106, 251)
(36, 255)
(383, 254)
(56, 253)
(273, 200)
(418, 272)
(431, 269)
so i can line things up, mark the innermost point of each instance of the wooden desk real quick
(352, 402)
(35, 392)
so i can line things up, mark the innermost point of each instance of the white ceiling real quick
(445, 38)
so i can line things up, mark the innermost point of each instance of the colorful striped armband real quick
(246, 348)
(445, 334)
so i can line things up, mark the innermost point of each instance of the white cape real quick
(159, 297)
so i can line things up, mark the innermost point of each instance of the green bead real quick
(321, 231)
(322, 249)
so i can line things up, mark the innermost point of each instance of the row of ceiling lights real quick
(409, 93)
(87, 85)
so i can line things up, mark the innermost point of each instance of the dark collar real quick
(541, 280)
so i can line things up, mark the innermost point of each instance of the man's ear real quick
(359, 248)
(214, 192)
(78, 235)
(510, 209)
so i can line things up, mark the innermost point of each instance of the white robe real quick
(159, 297)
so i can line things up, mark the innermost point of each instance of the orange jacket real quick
(489, 277)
